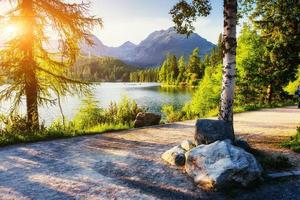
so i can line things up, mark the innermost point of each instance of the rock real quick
(209, 131)
(175, 156)
(187, 145)
(243, 144)
(146, 119)
(221, 164)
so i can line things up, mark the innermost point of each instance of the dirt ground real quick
(127, 164)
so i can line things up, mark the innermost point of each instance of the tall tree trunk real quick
(270, 94)
(229, 60)
(31, 83)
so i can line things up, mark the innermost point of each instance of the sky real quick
(134, 20)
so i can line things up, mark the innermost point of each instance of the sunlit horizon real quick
(134, 20)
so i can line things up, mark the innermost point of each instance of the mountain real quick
(151, 51)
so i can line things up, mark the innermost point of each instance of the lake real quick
(148, 95)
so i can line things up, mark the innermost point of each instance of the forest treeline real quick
(267, 72)
(180, 71)
(101, 69)
(258, 81)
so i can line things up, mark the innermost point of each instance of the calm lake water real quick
(147, 95)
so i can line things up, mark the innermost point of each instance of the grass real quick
(51, 134)
(172, 115)
(294, 142)
(253, 107)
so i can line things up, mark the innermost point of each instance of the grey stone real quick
(209, 131)
(187, 145)
(221, 164)
(174, 156)
(146, 119)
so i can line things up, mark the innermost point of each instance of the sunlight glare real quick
(10, 31)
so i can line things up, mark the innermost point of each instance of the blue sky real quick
(133, 20)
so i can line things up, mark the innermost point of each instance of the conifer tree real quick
(181, 70)
(32, 69)
(278, 24)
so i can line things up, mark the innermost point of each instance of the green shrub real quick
(207, 95)
(90, 119)
(89, 114)
(172, 115)
(294, 143)
(127, 110)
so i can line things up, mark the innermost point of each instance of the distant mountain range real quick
(151, 51)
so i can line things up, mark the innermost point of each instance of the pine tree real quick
(173, 69)
(278, 23)
(181, 70)
(252, 78)
(32, 70)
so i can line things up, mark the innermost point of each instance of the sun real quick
(10, 31)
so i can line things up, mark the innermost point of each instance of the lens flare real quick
(10, 31)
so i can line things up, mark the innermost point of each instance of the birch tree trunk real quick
(229, 60)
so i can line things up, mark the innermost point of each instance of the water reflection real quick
(148, 95)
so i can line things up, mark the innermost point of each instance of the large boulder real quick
(175, 156)
(146, 119)
(222, 164)
(209, 131)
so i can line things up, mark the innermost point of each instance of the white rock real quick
(221, 164)
(187, 145)
(175, 156)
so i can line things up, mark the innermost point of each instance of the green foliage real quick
(146, 75)
(207, 96)
(291, 88)
(127, 110)
(101, 69)
(91, 115)
(171, 114)
(252, 87)
(294, 143)
(31, 69)
(90, 119)
(185, 13)
(176, 72)
(277, 22)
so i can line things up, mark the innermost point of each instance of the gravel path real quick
(127, 164)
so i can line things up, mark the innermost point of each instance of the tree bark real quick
(270, 94)
(229, 60)
(31, 83)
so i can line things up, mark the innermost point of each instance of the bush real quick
(207, 95)
(89, 114)
(90, 119)
(172, 115)
(127, 110)
(294, 143)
